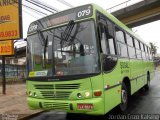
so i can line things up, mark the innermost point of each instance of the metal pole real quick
(17, 71)
(3, 76)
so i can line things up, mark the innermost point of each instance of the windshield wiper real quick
(44, 42)
(66, 34)
(45, 47)
(41, 37)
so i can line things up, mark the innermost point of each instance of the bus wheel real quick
(124, 98)
(147, 86)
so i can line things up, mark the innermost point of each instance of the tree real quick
(153, 48)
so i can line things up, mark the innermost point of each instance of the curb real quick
(30, 116)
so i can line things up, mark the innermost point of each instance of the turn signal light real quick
(97, 93)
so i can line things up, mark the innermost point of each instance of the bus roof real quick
(61, 18)
(71, 13)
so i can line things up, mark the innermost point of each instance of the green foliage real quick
(153, 48)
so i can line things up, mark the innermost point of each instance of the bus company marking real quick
(124, 67)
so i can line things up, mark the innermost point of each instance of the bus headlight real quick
(30, 93)
(87, 94)
(34, 94)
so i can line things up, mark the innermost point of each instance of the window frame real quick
(104, 21)
(135, 41)
(120, 42)
(130, 46)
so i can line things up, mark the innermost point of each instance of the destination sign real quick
(61, 17)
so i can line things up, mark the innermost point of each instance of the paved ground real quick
(14, 102)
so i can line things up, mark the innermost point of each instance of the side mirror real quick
(25, 39)
(108, 62)
(81, 49)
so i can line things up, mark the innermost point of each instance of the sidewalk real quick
(15, 101)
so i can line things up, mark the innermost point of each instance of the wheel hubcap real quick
(148, 83)
(124, 96)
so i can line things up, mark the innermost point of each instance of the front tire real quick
(124, 98)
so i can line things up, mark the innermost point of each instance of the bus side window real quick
(111, 39)
(136, 44)
(107, 39)
(138, 51)
(146, 51)
(103, 39)
(131, 49)
(142, 51)
(120, 35)
(122, 47)
(150, 51)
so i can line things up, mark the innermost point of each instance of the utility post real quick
(6, 49)
(10, 29)
(3, 76)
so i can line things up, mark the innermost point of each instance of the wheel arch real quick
(126, 80)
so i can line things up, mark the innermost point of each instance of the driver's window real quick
(107, 40)
(103, 39)
(108, 45)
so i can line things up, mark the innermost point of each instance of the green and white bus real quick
(84, 60)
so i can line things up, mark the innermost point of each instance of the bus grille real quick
(56, 94)
(58, 86)
(56, 106)
(56, 91)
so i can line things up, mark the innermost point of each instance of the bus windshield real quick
(66, 50)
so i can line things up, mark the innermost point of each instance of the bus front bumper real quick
(93, 106)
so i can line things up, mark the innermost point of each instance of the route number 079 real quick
(83, 13)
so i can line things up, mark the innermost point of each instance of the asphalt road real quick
(143, 105)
